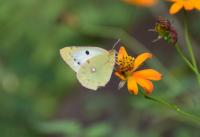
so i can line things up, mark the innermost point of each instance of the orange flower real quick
(186, 4)
(197, 4)
(146, 3)
(127, 72)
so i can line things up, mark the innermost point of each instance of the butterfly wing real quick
(97, 71)
(77, 56)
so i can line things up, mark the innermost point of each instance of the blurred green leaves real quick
(70, 128)
(99, 130)
(67, 128)
(74, 129)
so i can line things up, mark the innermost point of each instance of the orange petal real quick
(188, 5)
(146, 3)
(119, 75)
(176, 7)
(140, 59)
(173, 0)
(121, 53)
(145, 84)
(149, 74)
(197, 4)
(132, 85)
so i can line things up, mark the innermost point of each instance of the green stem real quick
(189, 46)
(188, 42)
(180, 52)
(174, 107)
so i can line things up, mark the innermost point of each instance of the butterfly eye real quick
(87, 52)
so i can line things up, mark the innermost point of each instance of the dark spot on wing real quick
(87, 52)
(78, 63)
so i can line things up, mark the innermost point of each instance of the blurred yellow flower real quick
(186, 4)
(197, 4)
(127, 72)
(146, 3)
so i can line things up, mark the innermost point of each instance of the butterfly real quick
(93, 65)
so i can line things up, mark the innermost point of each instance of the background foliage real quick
(40, 96)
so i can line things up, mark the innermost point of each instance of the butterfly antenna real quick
(116, 43)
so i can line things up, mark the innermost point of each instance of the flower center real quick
(126, 65)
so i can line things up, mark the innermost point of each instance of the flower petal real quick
(132, 85)
(173, 0)
(145, 84)
(197, 4)
(188, 5)
(119, 75)
(149, 74)
(146, 3)
(140, 59)
(121, 53)
(176, 7)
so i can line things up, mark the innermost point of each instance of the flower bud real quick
(165, 30)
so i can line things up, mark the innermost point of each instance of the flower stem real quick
(189, 46)
(180, 52)
(174, 107)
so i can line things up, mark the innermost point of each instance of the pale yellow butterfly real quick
(93, 65)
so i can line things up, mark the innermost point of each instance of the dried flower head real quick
(165, 30)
